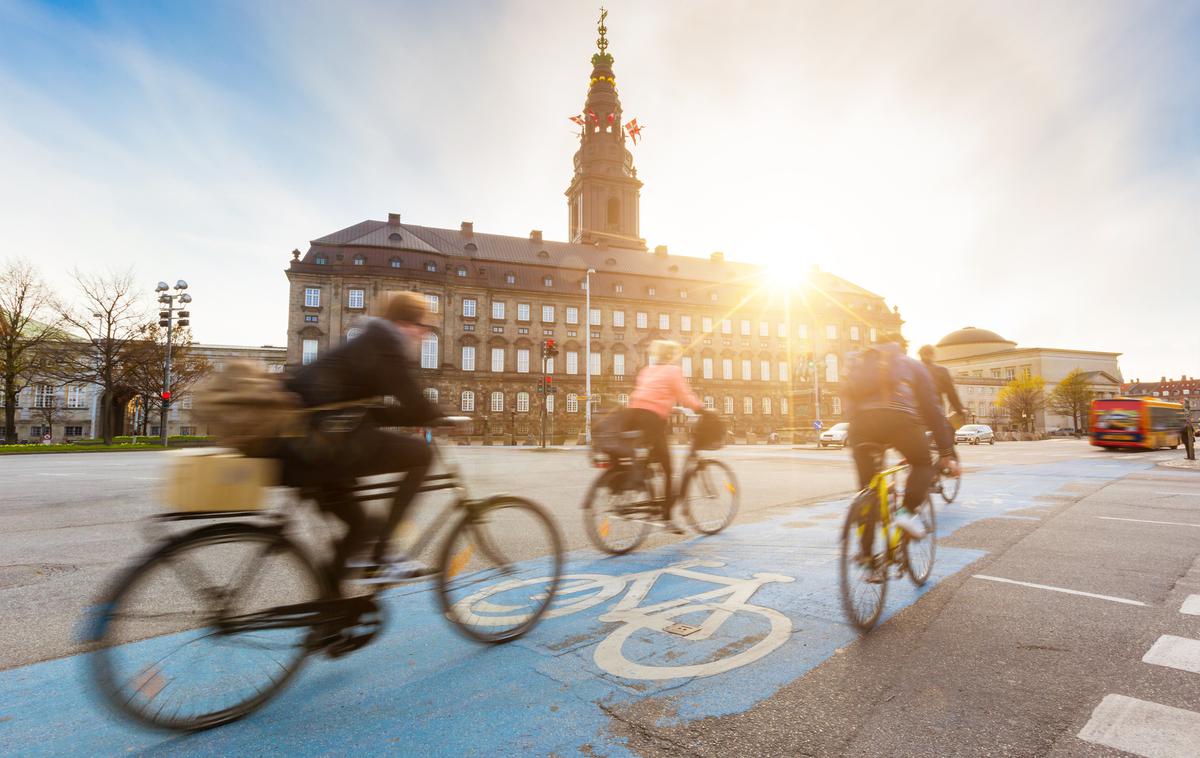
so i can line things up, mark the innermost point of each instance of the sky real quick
(1032, 168)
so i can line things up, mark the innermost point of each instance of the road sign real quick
(818, 424)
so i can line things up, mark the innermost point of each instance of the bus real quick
(1135, 422)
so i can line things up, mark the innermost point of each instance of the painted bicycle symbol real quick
(505, 603)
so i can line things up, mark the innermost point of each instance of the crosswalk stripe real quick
(1176, 652)
(1143, 728)
(1191, 605)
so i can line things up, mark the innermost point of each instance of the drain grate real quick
(682, 630)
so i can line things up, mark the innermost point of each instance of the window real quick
(766, 406)
(497, 359)
(872, 334)
(746, 370)
(431, 394)
(510, 278)
(745, 327)
(572, 362)
(469, 307)
(618, 319)
(547, 281)
(522, 311)
(706, 324)
(522, 402)
(360, 260)
(622, 400)
(726, 368)
(498, 309)
(549, 365)
(309, 352)
(764, 329)
(709, 403)
(43, 396)
(77, 431)
(550, 404)
(781, 330)
(782, 374)
(497, 401)
(594, 317)
(434, 303)
(712, 296)
(642, 320)
(831, 331)
(831, 367)
(783, 406)
(431, 267)
(394, 262)
(547, 314)
(802, 331)
(685, 323)
(354, 298)
(619, 364)
(728, 405)
(522, 360)
(466, 401)
(651, 291)
(311, 318)
(837, 406)
(706, 366)
(460, 271)
(686, 364)
(683, 294)
(594, 367)
(748, 405)
(726, 326)
(353, 332)
(320, 260)
(312, 297)
(764, 370)
(468, 358)
(664, 321)
(429, 351)
(1010, 373)
(618, 288)
(75, 396)
(854, 333)
(572, 314)
(572, 403)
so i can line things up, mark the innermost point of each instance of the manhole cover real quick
(682, 630)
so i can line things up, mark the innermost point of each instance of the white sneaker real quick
(910, 525)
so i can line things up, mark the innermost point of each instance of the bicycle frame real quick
(884, 483)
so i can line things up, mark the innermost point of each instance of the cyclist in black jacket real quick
(943, 384)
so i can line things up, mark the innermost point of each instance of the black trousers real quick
(654, 435)
(902, 431)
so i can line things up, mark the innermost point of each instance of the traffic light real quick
(166, 398)
(549, 348)
(183, 322)
(550, 388)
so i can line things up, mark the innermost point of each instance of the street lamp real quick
(166, 317)
(587, 357)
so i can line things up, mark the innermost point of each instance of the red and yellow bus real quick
(1135, 422)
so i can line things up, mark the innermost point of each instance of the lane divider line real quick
(1175, 652)
(1143, 728)
(1191, 605)
(1110, 598)
(1146, 521)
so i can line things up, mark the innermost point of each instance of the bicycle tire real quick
(599, 521)
(727, 492)
(106, 633)
(950, 487)
(863, 619)
(920, 573)
(455, 559)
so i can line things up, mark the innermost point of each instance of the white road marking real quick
(1184, 494)
(1019, 518)
(1191, 605)
(1176, 652)
(1143, 728)
(1146, 521)
(1125, 601)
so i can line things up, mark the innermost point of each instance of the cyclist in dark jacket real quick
(891, 402)
(943, 384)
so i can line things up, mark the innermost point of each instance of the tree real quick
(144, 361)
(112, 318)
(1072, 397)
(48, 410)
(1022, 398)
(28, 322)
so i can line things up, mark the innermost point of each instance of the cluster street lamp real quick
(167, 318)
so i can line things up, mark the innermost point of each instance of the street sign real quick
(818, 424)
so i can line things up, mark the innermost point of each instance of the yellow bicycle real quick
(873, 547)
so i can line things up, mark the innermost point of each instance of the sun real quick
(784, 274)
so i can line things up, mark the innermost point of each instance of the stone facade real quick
(1184, 390)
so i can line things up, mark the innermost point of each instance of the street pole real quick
(544, 394)
(166, 317)
(817, 388)
(587, 362)
(166, 390)
(99, 360)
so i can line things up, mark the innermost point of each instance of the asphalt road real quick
(1056, 623)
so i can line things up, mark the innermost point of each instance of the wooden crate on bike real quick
(217, 479)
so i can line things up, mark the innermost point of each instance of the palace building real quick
(754, 352)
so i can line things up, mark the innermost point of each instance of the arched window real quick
(837, 406)
(783, 405)
(429, 351)
(729, 405)
(572, 403)
(831, 367)
(360, 260)
(522, 402)
(614, 213)
(549, 403)
(622, 399)
(431, 394)
(748, 405)
(497, 401)
(467, 402)
(766, 406)
(394, 262)
(353, 332)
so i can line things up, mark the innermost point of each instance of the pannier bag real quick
(248, 409)
(607, 439)
(709, 431)
(208, 480)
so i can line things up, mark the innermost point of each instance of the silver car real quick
(834, 435)
(975, 433)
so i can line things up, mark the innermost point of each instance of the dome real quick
(970, 341)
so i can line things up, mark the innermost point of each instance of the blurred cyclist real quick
(374, 364)
(659, 388)
(943, 385)
(891, 402)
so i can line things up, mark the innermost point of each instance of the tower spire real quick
(605, 192)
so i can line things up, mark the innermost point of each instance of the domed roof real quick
(970, 335)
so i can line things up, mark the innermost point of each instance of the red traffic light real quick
(166, 395)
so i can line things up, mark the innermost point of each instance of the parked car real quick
(1062, 431)
(975, 433)
(834, 435)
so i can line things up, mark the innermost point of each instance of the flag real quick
(578, 120)
(633, 130)
(592, 117)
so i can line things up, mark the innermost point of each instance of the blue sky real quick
(1028, 167)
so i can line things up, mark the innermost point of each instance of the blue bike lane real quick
(759, 604)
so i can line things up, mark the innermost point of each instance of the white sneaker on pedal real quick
(910, 525)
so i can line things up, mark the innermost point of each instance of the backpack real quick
(249, 409)
(870, 376)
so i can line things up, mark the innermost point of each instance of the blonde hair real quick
(407, 307)
(664, 351)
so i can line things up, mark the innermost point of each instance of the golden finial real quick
(602, 43)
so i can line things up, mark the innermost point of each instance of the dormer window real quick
(461, 271)
(360, 260)
(712, 296)
(543, 254)
(394, 263)
(610, 262)
(683, 294)
(471, 247)
(320, 260)
(510, 278)
(395, 237)
(651, 291)
(431, 267)
(618, 288)
(547, 281)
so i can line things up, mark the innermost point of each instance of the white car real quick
(834, 435)
(975, 434)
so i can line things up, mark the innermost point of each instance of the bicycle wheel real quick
(712, 496)
(950, 487)
(505, 546)
(919, 555)
(863, 563)
(616, 509)
(170, 654)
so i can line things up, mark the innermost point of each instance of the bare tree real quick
(48, 410)
(1022, 398)
(144, 367)
(113, 317)
(1072, 397)
(29, 320)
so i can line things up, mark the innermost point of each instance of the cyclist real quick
(891, 401)
(374, 364)
(659, 388)
(943, 385)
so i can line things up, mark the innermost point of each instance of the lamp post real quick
(166, 317)
(587, 358)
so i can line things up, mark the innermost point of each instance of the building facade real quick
(1184, 390)
(495, 299)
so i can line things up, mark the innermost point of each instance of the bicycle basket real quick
(708, 433)
(216, 479)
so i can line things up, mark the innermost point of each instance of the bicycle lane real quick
(570, 686)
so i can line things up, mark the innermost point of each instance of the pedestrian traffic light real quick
(163, 322)
(550, 388)
(164, 314)
(183, 322)
(549, 348)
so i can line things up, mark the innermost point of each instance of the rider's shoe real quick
(910, 525)
(391, 571)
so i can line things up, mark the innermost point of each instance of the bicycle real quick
(626, 497)
(212, 623)
(872, 546)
